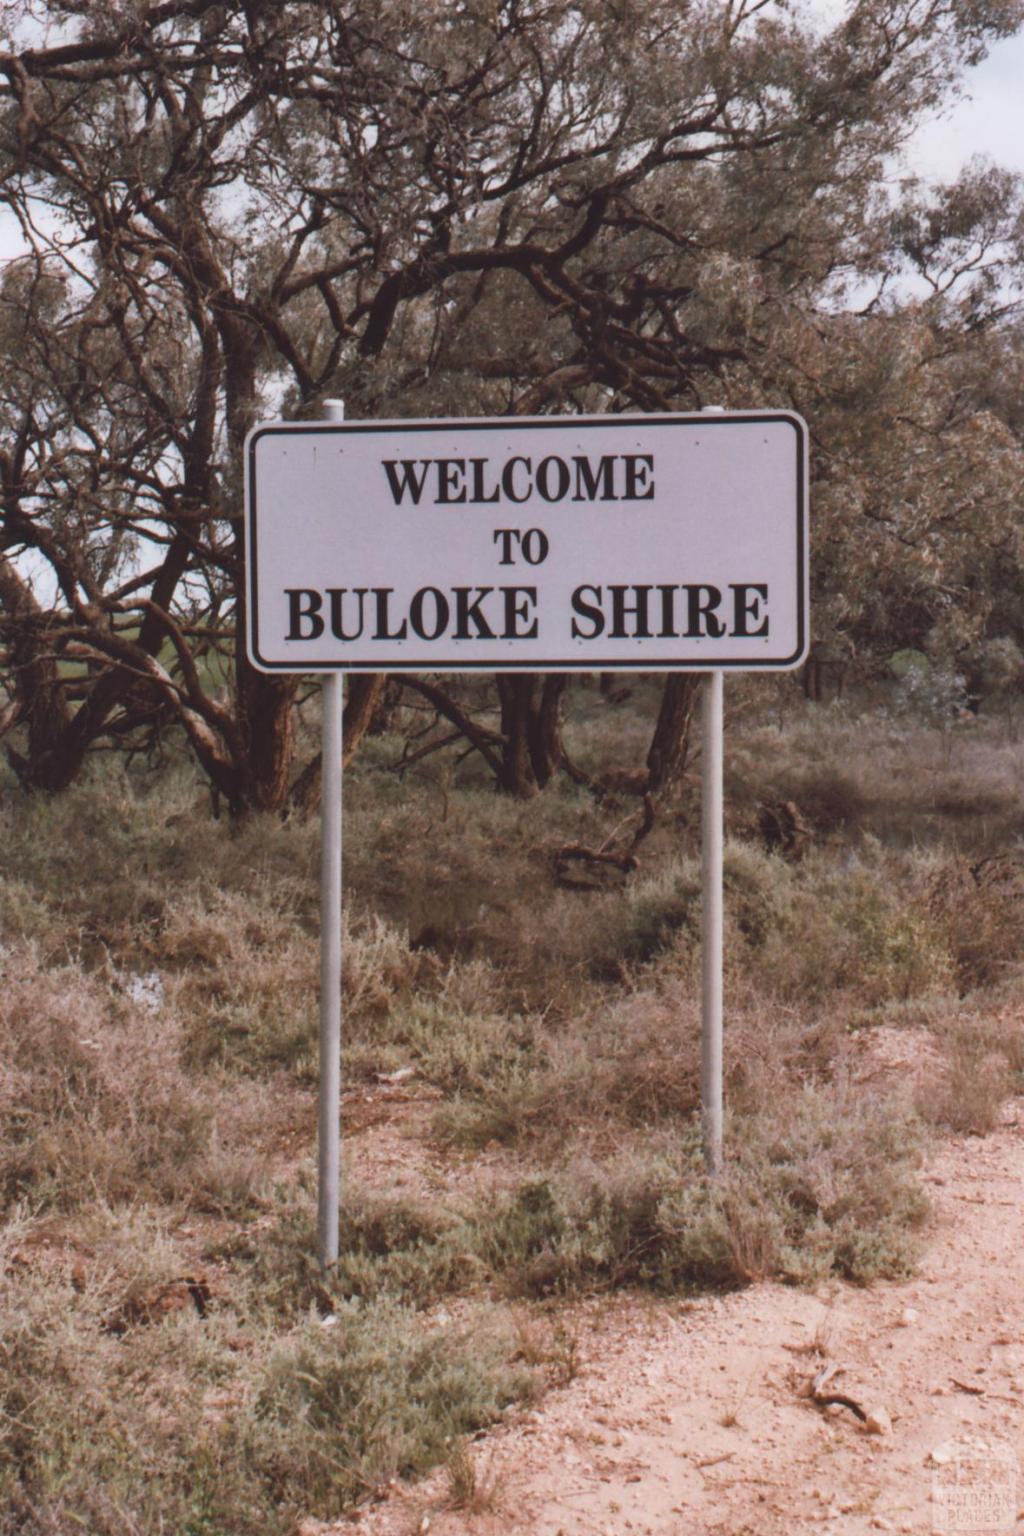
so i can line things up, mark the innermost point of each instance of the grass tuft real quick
(157, 1034)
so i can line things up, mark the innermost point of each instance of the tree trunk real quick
(812, 679)
(39, 699)
(531, 727)
(385, 707)
(265, 708)
(365, 692)
(670, 742)
(545, 727)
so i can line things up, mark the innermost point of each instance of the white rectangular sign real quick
(549, 543)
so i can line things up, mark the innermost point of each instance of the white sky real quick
(989, 121)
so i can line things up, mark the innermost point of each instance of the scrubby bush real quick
(169, 1427)
(821, 1182)
(158, 1032)
(94, 1099)
(343, 1409)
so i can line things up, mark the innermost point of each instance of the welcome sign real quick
(548, 543)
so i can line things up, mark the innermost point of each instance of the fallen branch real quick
(488, 743)
(713, 1461)
(816, 1391)
(837, 1399)
(408, 758)
(605, 859)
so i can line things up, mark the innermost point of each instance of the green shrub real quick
(660, 911)
(377, 1394)
(108, 1434)
(836, 1166)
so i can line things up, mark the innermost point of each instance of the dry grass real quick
(97, 1105)
(473, 1486)
(157, 1035)
(981, 1063)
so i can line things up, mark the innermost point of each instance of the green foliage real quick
(107, 1432)
(659, 909)
(674, 176)
(376, 1394)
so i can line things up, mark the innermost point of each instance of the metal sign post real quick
(711, 921)
(329, 1110)
(712, 839)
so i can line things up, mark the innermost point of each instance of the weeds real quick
(120, 1434)
(344, 1409)
(474, 1489)
(983, 1064)
(157, 1029)
(95, 1103)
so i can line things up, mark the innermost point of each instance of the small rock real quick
(940, 1456)
(880, 1523)
(907, 1318)
(878, 1422)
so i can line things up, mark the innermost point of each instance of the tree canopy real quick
(477, 207)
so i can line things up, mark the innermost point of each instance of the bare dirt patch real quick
(389, 1148)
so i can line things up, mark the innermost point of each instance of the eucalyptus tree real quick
(918, 414)
(480, 206)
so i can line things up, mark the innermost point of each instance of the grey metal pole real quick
(711, 921)
(712, 817)
(329, 1128)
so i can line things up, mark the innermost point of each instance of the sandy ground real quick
(692, 1419)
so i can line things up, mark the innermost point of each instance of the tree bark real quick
(266, 719)
(39, 700)
(531, 730)
(670, 743)
(546, 729)
(365, 691)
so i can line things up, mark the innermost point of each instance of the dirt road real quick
(687, 1419)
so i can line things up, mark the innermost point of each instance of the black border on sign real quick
(479, 423)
